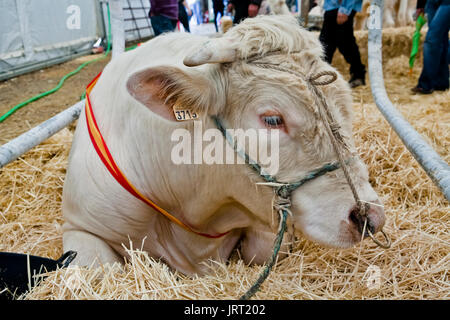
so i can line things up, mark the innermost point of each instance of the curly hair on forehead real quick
(264, 34)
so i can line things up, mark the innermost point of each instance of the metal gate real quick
(136, 20)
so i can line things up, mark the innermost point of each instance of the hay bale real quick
(396, 42)
(415, 267)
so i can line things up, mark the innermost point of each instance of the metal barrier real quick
(436, 168)
(136, 13)
(15, 148)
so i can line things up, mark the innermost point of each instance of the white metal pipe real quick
(436, 168)
(15, 148)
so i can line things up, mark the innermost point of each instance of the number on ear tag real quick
(183, 115)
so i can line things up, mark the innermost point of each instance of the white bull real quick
(133, 102)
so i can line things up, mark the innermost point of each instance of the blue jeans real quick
(435, 71)
(161, 24)
(197, 12)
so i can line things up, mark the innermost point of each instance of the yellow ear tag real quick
(184, 114)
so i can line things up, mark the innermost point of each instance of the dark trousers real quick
(161, 24)
(341, 37)
(241, 10)
(435, 71)
(218, 7)
(183, 16)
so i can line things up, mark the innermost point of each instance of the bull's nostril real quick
(370, 227)
(359, 221)
(354, 216)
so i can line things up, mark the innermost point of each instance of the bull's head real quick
(226, 78)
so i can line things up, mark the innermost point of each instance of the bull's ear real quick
(164, 88)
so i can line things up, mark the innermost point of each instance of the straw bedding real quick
(415, 267)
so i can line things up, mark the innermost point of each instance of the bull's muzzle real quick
(374, 215)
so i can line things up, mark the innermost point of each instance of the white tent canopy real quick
(36, 34)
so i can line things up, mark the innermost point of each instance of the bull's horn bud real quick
(212, 51)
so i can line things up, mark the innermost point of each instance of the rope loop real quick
(282, 204)
(314, 78)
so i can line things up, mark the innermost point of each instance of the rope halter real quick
(283, 191)
(338, 143)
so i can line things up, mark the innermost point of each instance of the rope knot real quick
(282, 204)
(363, 208)
(283, 192)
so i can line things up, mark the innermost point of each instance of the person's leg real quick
(435, 67)
(220, 10)
(197, 12)
(240, 12)
(156, 25)
(430, 9)
(442, 18)
(328, 34)
(448, 52)
(346, 43)
(183, 17)
(172, 24)
(216, 12)
(162, 24)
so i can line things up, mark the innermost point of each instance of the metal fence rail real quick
(436, 168)
(15, 148)
(136, 20)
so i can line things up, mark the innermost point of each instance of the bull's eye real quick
(273, 121)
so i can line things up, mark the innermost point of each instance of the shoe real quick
(356, 82)
(420, 90)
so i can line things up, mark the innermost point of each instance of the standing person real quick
(205, 11)
(337, 32)
(292, 5)
(163, 15)
(435, 71)
(183, 14)
(218, 7)
(244, 9)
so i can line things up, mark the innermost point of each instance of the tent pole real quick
(117, 26)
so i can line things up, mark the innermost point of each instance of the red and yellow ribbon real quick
(107, 159)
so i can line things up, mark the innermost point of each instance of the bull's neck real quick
(144, 144)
